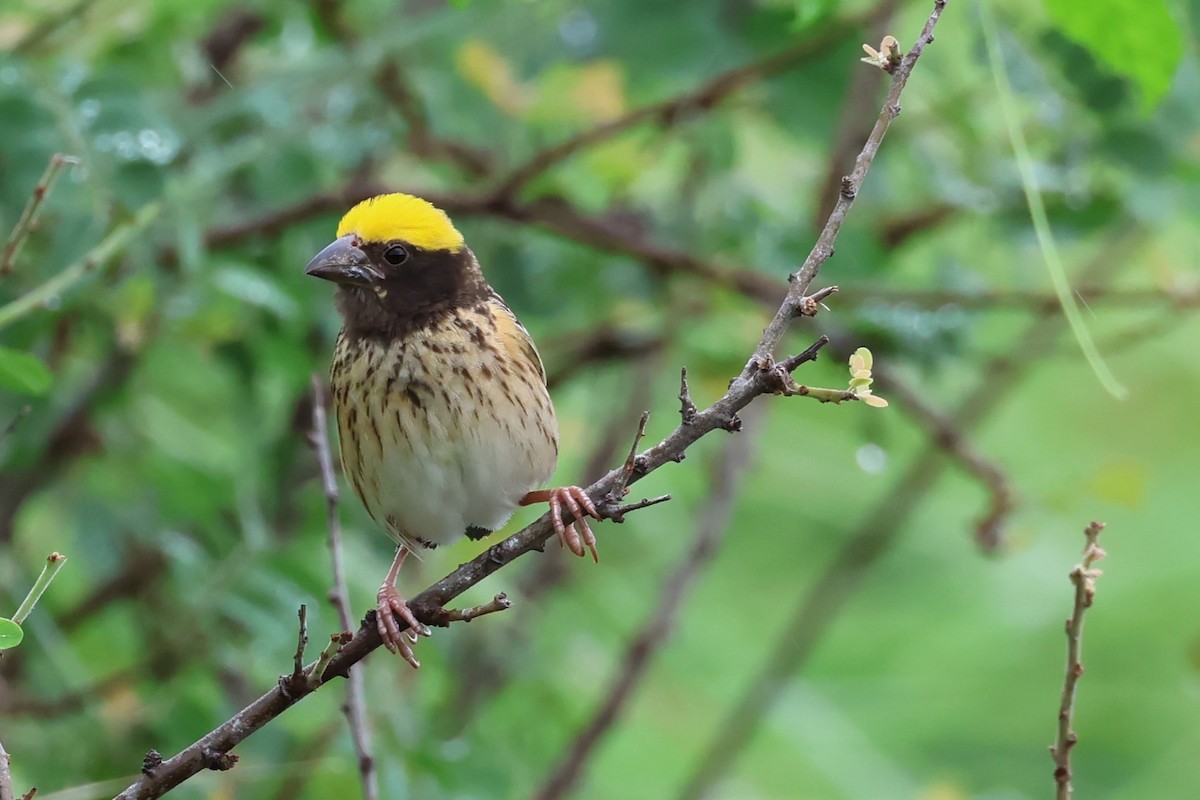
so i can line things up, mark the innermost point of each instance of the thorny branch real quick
(757, 378)
(1083, 577)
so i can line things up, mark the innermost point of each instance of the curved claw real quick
(579, 535)
(389, 614)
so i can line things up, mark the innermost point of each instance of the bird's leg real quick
(392, 611)
(574, 501)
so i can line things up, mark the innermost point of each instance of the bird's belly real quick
(434, 451)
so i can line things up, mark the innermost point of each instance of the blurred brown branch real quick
(677, 109)
(944, 433)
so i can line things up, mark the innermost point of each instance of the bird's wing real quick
(517, 342)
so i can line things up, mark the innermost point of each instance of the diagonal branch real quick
(759, 377)
(677, 109)
(851, 184)
(28, 219)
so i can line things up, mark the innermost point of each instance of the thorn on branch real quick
(301, 643)
(219, 761)
(618, 514)
(809, 305)
(292, 685)
(789, 365)
(445, 616)
(634, 465)
(151, 761)
(778, 378)
(337, 641)
(687, 408)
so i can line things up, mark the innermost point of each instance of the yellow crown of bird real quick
(402, 217)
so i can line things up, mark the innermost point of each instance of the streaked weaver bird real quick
(445, 424)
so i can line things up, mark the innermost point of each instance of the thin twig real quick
(631, 463)
(316, 673)
(355, 707)
(822, 251)
(111, 246)
(1083, 577)
(54, 562)
(498, 603)
(618, 514)
(687, 407)
(395, 85)
(28, 219)
(301, 644)
(712, 523)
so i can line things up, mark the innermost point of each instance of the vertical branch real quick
(728, 473)
(355, 706)
(1084, 579)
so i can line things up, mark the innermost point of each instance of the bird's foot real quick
(576, 537)
(391, 616)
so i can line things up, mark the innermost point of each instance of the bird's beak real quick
(343, 261)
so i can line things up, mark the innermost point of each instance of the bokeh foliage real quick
(164, 447)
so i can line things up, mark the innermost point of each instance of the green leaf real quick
(810, 12)
(24, 372)
(1137, 39)
(251, 286)
(10, 634)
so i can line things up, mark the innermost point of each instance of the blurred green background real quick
(895, 652)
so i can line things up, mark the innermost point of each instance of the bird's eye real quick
(395, 255)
